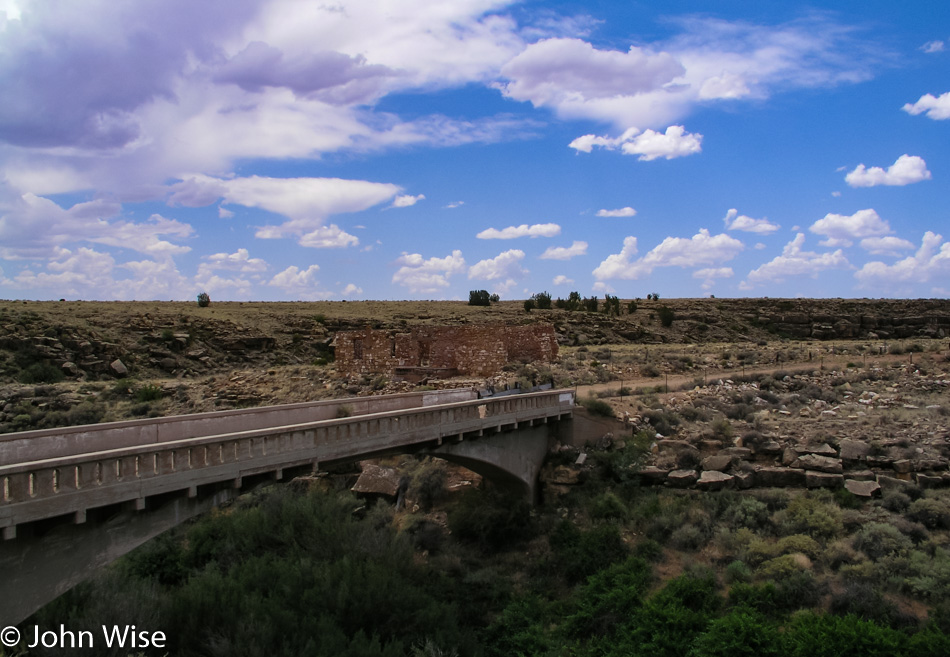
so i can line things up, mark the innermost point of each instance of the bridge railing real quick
(70, 481)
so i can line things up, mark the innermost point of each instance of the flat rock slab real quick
(653, 475)
(854, 450)
(823, 479)
(821, 450)
(713, 480)
(820, 463)
(779, 477)
(719, 462)
(682, 478)
(862, 488)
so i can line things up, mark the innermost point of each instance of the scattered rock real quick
(820, 463)
(713, 480)
(862, 488)
(823, 479)
(720, 462)
(853, 450)
(118, 368)
(682, 478)
(779, 477)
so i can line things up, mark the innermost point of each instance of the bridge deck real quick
(56, 473)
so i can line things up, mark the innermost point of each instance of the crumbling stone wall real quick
(473, 350)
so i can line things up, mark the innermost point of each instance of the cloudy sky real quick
(419, 149)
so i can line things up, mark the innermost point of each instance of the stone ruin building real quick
(442, 351)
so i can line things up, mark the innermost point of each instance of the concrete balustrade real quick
(69, 471)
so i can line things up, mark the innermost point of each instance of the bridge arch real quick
(69, 504)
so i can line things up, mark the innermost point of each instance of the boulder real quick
(713, 480)
(682, 478)
(821, 450)
(745, 480)
(652, 475)
(862, 488)
(823, 479)
(720, 462)
(118, 368)
(779, 477)
(854, 450)
(820, 463)
(562, 475)
(902, 466)
(862, 475)
(891, 483)
(929, 481)
(377, 480)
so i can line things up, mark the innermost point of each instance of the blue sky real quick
(415, 149)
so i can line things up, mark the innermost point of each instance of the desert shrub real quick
(529, 305)
(827, 635)
(775, 499)
(929, 575)
(864, 601)
(932, 513)
(688, 537)
(148, 393)
(780, 567)
(799, 590)
(666, 315)
(738, 571)
(520, 629)
(747, 512)
(204, 300)
(597, 407)
(609, 598)
(741, 632)
(722, 429)
(42, 372)
(428, 486)
(661, 420)
(798, 543)
(608, 506)
(674, 617)
(846, 499)
(580, 554)
(894, 500)
(762, 598)
(807, 514)
(491, 520)
(878, 540)
(648, 549)
(542, 300)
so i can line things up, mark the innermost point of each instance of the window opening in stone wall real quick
(358, 348)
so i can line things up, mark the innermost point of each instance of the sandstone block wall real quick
(472, 350)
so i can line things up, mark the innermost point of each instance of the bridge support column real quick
(508, 458)
(38, 569)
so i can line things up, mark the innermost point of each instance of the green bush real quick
(597, 407)
(42, 372)
(609, 598)
(747, 512)
(932, 513)
(580, 554)
(490, 519)
(878, 540)
(808, 514)
(148, 392)
(542, 300)
(738, 571)
(666, 315)
(741, 632)
(204, 300)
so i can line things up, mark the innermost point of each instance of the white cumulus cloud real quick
(649, 145)
(577, 248)
(937, 108)
(933, 47)
(908, 169)
(421, 275)
(561, 279)
(735, 221)
(700, 249)
(524, 230)
(506, 265)
(930, 263)
(620, 212)
(843, 230)
(407, 200)
(892, 246)
(796, 262)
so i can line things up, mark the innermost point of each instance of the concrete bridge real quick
(74, 499)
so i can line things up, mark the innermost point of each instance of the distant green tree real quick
(590, 304)
(204, 300)
(666, 315)
(611, 305)
(479, 298)
(528, 305)
(632, 307)
(494, 298)
(542, 300)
